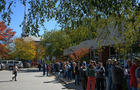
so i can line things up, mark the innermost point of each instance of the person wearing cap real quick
(133, 80)
(91, 74)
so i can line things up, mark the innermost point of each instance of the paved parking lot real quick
(29, 80)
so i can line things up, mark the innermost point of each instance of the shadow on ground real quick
(43, 76)
(72, 86)
(28, 70)
(5, 81)
(53, 81)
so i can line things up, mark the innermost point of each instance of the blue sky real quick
(18, 16)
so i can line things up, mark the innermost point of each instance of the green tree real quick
(55, 42)
(68, 12)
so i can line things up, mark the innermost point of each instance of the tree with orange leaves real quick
(6, 35)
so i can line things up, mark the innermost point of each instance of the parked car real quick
(8, 64)
(12, 62)
(19, 64)
(4, 64)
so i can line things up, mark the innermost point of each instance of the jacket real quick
(91, 72)
(117, 74)
(133, 81)
(100, 72)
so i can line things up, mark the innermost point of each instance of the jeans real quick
(47, 72)
(109, 83)
(43, 72)
(70, 75)
(76, 79)
(91, 81)
(134, 88)
(128, 83)
(57, 75)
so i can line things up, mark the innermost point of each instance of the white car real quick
(4, 64)
(12, 62)
(19, 64)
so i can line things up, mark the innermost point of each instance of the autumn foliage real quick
(6, 35)
(24, 50)
(79, 53)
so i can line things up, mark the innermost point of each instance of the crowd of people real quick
(110, 76)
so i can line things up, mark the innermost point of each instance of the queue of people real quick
(94, 75)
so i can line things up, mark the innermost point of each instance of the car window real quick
(16, 62)
(4, 62)
(11, 62)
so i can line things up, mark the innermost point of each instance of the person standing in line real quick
(83, 75)
(71, 70)
(39, 67)
(109, 75)
(127, 74)
(137, 73)
(133, 80)
(91, 73)
(67, 69)
(100, 75)
(47, 69)
(77, 74)
(44, 68)
(15, 69)
(117, 76)
(64, 70)
(57, 70)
